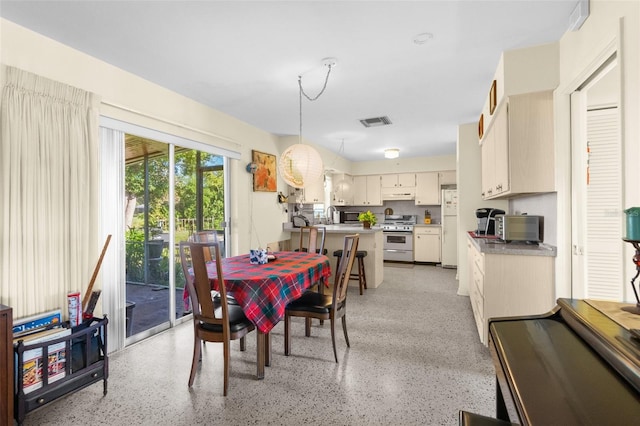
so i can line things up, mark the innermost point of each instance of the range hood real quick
(398, 194)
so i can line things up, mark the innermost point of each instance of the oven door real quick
(398, 246)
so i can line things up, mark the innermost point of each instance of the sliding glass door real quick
(156, 189)
(198, 204)
(147, 250)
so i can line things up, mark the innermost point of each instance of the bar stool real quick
(360, 275)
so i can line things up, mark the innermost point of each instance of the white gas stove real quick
(399, 223)
(398, 237)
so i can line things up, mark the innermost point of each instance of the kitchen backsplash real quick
(399, 207)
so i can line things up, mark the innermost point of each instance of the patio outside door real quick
(154, 277)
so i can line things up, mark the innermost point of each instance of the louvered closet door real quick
(604, 246)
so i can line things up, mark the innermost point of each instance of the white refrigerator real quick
(449, 240)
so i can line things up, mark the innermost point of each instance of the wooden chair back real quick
(344, 270)
(205, 237)
(315, 240)
(193, 259)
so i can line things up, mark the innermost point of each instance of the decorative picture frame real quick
(264, 178)
(493, 97)
(481, 126)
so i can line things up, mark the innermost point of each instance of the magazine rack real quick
(87, 347)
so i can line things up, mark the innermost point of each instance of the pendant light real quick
(300, 164)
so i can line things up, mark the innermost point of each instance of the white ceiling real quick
(244, 58)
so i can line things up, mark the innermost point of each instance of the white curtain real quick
(112, 218)
(49, 192)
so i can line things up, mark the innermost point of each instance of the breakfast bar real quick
(370, 240)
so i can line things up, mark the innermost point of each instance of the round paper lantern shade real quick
(300, 165)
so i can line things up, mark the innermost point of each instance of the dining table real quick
(264, 290)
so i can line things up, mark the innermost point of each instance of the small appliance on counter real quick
(427, 217)
(349, 217)
(486, 217)
(299, 221)
(520, 228)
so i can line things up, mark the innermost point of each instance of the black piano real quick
(572, 366)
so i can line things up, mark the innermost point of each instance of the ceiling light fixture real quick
(391, 153)
(301, 164)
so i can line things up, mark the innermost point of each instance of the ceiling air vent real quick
(376, 121)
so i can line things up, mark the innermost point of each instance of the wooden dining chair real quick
(314, 241)
(205, 237)
(325, 307)
(212, 322)
(211, 237)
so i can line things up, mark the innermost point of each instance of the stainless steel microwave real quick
(519, 227)
(349, 217)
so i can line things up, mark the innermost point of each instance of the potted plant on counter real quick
(368, 219)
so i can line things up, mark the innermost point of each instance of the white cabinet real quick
(426, 244)
(518, 148)
(313, 193)
(401, 180)
(508, 285)
(366, 191)
(427, 189)
(447, 177)
(527, 70)
(342, 191)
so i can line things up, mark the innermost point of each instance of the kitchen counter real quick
(495, 246)
(341, 228)
(424, 225)
(370, 240)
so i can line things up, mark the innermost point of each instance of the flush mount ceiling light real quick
(391, 153)
(300, 164)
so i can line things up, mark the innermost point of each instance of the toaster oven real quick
(519, 228)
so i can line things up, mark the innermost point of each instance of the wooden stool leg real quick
(360, 284)
(364, 277)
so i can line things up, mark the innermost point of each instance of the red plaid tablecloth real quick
(263, 291)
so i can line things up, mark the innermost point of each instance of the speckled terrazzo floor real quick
(415, 359)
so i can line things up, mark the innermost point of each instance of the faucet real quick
(330, 210)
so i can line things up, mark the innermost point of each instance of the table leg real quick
(261, 354)
(267, 350)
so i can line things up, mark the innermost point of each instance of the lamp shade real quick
(300, 165)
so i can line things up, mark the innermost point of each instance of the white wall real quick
(542, 205)
(612, 26)
(404, 165)
(132, 99)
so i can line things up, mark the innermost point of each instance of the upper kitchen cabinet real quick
(366, 191)
(401, 180)
(312, 193)
(518, 147)
(520, 71)
(427, 189)
(342, 191)
(400, 186)
(447, 177)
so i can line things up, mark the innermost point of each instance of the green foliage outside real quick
(158, 210)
